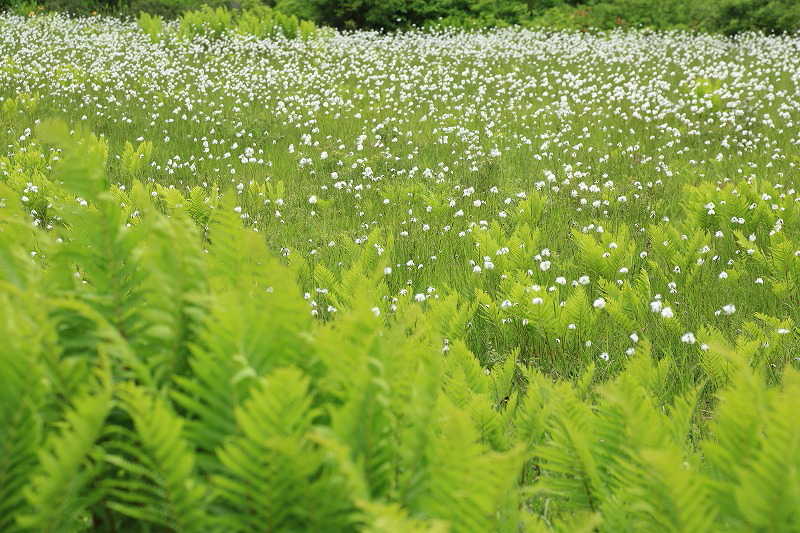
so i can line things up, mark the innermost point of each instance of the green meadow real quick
(257, 275)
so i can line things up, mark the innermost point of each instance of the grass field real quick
(497, 281)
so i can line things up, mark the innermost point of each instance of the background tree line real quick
(726, 16)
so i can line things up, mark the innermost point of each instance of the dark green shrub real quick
(169, 9)
(75, 7)
(771, 16)
(678, 14)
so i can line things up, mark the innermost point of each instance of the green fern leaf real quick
(658, 493)
(465, 485)
(769, 485)
(570, 458)
(391, 518)
(176, 294)
(61, 491)
(275, 477)
(20, 404)
(159, 486)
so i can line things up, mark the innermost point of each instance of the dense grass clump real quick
(436, 280)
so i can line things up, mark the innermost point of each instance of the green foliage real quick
(206, 21)
(167, 9)
(155, 481)
(258, 20)
(611, 14)
(301, 18)
(179, 383)
(728, 16)
(278, 475)
(264, 22)
(735, 16)
(376, 14)
(152, 26)
(61, 490)
(23, 8)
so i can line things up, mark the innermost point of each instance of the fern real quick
(463, 375)
(570, 457)
(493, 427)
(390, 518)
(578, 311)
(133, 160)
(21, 421)
(535, 411)
(19, 237)
(199, 205)
(276, 478)
(61, 491)
(355, 378)
(645, 448)
(470, 488)
(366, 421)
(255, 325)
(176, 295)
(152, 26)
(657, 493)
(103, 248)
(450, 317)
(769, 484)
(158, 485)
(414, 370)
(241, 341)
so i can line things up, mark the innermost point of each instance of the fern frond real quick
(82, 167)
(414, 369)
(21, 398)
(159, 485)
(451, 315)
(657, 492)
(367, 423)
(357, 372)
(275, 477)
(102, 339)
(463, 375)
(102, 247)
(741, 409)
(243, 338)
(535, 411)
(769, 484)
(578, 311)
(258, 322)
(18, 239)
(391, 518)
(492, 427)
(472, 489)
(61, 491)
(591, 254)
(570, 457)
(176, 294)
